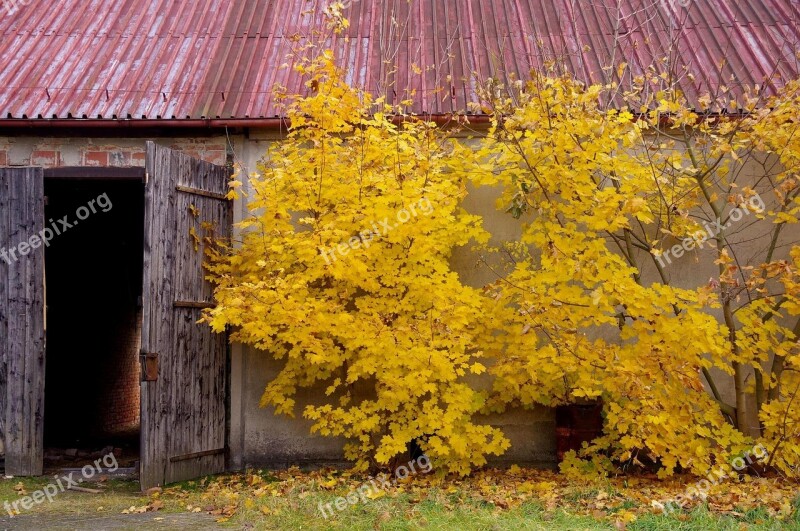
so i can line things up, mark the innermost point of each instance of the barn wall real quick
(260, 438)
(257, 437)
(113, 403)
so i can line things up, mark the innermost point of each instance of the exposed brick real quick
(3, 158)
(122, 398)
(119, 158)
(138, 159)
(46, 159)
(95, 158)
(215, 157)
(191, 152)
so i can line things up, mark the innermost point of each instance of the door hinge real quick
(149, 363)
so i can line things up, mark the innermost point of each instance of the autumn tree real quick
(343, 276)
(615, 186)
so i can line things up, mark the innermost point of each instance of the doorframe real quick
(90, 173)
(96, 172)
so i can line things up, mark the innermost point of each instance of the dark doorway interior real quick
(94, 285)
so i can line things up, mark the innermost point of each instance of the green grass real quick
(285, 501)
(397, 515)
(701, 520)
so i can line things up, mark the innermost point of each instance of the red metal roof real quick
(146, 59)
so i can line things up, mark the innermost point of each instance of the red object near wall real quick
(576, 424)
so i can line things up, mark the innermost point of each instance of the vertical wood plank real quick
(5, 232)
(147, 475)
(24, 327)
(36, 347)
(156, 282)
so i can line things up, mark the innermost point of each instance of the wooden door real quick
(22, 319)
(183, 402)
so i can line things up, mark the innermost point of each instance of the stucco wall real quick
(264, 438)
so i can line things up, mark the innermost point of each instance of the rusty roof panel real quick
(150, 59)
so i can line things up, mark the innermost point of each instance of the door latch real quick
(149, 363)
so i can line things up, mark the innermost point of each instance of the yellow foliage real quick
(343, 274)
(602, 194)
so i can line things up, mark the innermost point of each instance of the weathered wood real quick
(22, 320)
(5, 233)
(202, 193)
(183, 411)
(196, 455)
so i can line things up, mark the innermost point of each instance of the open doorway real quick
(93, 284)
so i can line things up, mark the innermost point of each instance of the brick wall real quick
(98, 152)
(119, 379)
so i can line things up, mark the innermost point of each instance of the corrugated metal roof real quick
(222, 58)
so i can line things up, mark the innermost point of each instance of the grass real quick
(530, 500)
(397, 514)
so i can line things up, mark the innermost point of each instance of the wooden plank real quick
(202, 193)
(16, 354)
(35, 355)
(183, 412)
(5, 232)
(153, 418)
(25, 322)
(84, 489)
(196, 455)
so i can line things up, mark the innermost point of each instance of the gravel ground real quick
(138, 522)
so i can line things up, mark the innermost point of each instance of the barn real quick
(120, 124)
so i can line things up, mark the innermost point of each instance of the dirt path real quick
(133, 522)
